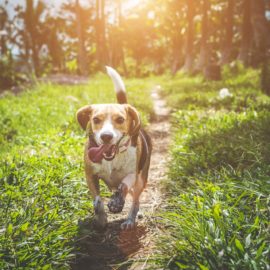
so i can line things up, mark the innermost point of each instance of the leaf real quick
(216, 212)
(247, 242)
(182, 266)
(239, 245)
(202, 267)
(24, 227)
(260, 251)
(256, 222)
(46, 267)
(9, 228)
(254, 265)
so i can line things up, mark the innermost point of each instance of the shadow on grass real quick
(237, 144)
(107, 249)
(220, 182)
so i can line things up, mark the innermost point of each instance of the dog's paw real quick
(100, 221)
(128, 225)
(117, 202)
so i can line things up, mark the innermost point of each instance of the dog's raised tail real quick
(119, 85)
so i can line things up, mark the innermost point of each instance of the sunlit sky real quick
(127, 4)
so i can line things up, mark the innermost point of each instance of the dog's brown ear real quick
(135, 123)
(83, 116)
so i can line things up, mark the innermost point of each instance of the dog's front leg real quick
(117, 201)
(93, 185)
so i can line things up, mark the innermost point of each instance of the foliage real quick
(43, 194)
(217, 215)
(8, 76)
(156, 35)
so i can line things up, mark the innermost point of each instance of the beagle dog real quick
(117, 151)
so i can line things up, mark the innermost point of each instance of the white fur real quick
(108, 127)
(119, 85)
(130, 180)
(115, 171)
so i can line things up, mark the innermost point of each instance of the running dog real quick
(117, 151)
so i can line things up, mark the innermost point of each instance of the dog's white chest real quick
(113, 172)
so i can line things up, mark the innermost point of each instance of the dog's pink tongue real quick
(96, 153)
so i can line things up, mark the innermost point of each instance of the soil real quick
(113, 248)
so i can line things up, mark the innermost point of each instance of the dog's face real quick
(109, 122)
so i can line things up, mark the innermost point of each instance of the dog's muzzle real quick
(97, 153)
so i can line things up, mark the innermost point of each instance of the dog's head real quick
(109, 122)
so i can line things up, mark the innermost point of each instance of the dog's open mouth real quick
(106, 151)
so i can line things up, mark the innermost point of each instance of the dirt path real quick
(131, 249)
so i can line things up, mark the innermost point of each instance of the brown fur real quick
(131, 126)
(126, 121)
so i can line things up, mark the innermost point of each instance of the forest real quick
(197, 72)
(139, 39)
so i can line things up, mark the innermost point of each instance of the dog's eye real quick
(96, 120)
(120, 120)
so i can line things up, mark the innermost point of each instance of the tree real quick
(115, 40)
(261, 37)
(33, 26)
(102, 53)
(121, 46)
(3, 32)
(226, 48)
(189, 49)
(55, 46)
(204, 48)
(246, 42)
(82, 59)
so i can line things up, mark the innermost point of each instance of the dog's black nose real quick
(106, 137)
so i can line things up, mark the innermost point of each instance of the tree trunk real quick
(104, 52)
(189, 59)
(98, 48)
(82, 58)
(176, 60)
(121, 47)
(261, 37)
(35, 57)
(3, 21)
(227, 44)
(31, 21)
(244, 55)
(204, 50)
(260, 27)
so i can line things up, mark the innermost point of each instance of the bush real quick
(8, 76)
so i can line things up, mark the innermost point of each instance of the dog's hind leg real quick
(137, 190)
(131, 219)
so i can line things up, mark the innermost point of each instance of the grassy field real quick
(217, 214)
(43, 193)
(219, 179)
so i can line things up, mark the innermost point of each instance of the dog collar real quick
(124, 147)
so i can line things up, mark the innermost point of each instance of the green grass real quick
(219, 179)
(43, 193)
(217, 214)
(193, 93)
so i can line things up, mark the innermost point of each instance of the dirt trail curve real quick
(131, 249)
